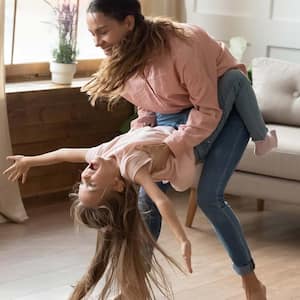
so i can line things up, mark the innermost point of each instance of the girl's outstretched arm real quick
(22, 164)
(167, 211)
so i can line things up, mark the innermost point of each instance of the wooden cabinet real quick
(44, 120)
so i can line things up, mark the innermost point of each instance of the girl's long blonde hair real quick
(124, 250)
(148, 40)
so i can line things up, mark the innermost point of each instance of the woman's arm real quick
(198, 64)
(166, 209)
(144, 118)
(22, 164)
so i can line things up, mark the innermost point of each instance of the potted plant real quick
(63, 65)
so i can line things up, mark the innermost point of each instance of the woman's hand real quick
(19, 168)
(186, 250)
(160, 154)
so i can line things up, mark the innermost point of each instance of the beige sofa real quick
(275, 176)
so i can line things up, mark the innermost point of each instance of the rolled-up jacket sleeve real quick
(196, 66)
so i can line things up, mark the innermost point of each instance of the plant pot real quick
(62, 73)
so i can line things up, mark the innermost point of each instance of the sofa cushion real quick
(277, 86)
(283, 162)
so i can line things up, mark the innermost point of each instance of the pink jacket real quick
(186, 78)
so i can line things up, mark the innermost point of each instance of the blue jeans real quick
(221, 153)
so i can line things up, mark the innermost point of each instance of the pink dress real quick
(179, 172)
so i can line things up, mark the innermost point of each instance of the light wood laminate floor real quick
(41, 259)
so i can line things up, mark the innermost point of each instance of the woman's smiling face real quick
(108, 32)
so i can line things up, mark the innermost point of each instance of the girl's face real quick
(100, 176)
(108, 32)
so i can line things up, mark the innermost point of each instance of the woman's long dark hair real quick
(124, 251)
(149, 38)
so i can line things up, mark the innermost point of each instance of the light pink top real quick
(179, 172)
(186, 78)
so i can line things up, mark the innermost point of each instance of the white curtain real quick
(167, 8)
(11, 205)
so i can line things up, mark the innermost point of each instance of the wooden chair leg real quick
(260, 204)
(192, 207)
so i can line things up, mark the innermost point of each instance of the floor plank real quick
(41, 259)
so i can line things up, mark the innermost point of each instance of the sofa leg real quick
(260, 204)
(192, 207)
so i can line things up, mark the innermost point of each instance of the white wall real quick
(272, 27)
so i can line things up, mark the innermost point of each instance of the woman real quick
(173, 73)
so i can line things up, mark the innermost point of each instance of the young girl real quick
(107, 201)
(174, 72)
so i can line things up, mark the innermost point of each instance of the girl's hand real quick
(19, 169)
(186, 250)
